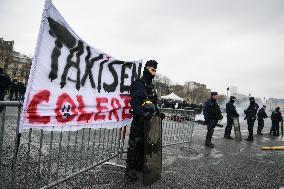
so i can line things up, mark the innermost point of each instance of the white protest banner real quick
(73, 85)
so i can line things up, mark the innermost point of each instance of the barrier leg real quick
(2, 130)
(190, 140)
(121, 140)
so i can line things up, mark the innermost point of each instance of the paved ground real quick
(230, 165)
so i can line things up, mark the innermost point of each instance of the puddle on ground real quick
(213, 153)
(218, 162)
(196, 157)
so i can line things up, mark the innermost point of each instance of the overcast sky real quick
(216, 42)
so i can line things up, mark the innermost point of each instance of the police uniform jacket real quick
(261, 114)
(231, 110)
(211, 110)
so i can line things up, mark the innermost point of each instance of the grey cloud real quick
(219, 43)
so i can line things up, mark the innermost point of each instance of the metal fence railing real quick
(44, 159)
(178, 127)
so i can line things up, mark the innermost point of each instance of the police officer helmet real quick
(152, 63)
(214, 93)
(149, 107)
(232, 98)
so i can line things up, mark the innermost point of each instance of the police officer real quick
(261, 115)
(231, 113)
(22, 90)
(144, 105)
(250, 113)
(14, 90)
(212, 113)
(276, 117)
(4, 85)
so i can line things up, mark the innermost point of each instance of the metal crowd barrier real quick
(177, 128)
(44, 159)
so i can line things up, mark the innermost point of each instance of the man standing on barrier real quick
(144, 105)
(4, 85)
(250, 113)
(212, 113)
(231, 113)
(261, 115)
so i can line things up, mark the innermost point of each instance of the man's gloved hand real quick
(162, 115)
(147, 116)
(206, 121)
(221, 117)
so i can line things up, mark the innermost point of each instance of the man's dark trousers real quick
(210, 130)
(250, 129)
(229, 126)
(260, 125)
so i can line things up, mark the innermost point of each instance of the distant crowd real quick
(176, 104)
(12, 89)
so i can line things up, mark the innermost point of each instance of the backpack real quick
(273, 115)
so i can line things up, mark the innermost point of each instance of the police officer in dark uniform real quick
(22, 90)
(250, 113)
(276, 117)
(212, 113)
(14, 90)
(231, 113)
(144, 105)
(261, 115)
(5, 82)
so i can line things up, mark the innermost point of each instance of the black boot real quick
(208, 142)
(277, 132)
(228, 137)
(131, 174)
(271, 131)
(274, 133)
(249, 139)
(259, 131)
(210, 145)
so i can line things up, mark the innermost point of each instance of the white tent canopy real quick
(172, 96)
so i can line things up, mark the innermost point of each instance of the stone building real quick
(14, 63)
(6, 50)
(195, 92)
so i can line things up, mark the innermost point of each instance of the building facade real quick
(196, 92)
(6, 50)
(15, 64)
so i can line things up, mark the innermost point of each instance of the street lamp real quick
(228, 91)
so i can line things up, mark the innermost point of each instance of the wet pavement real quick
(230, 164)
